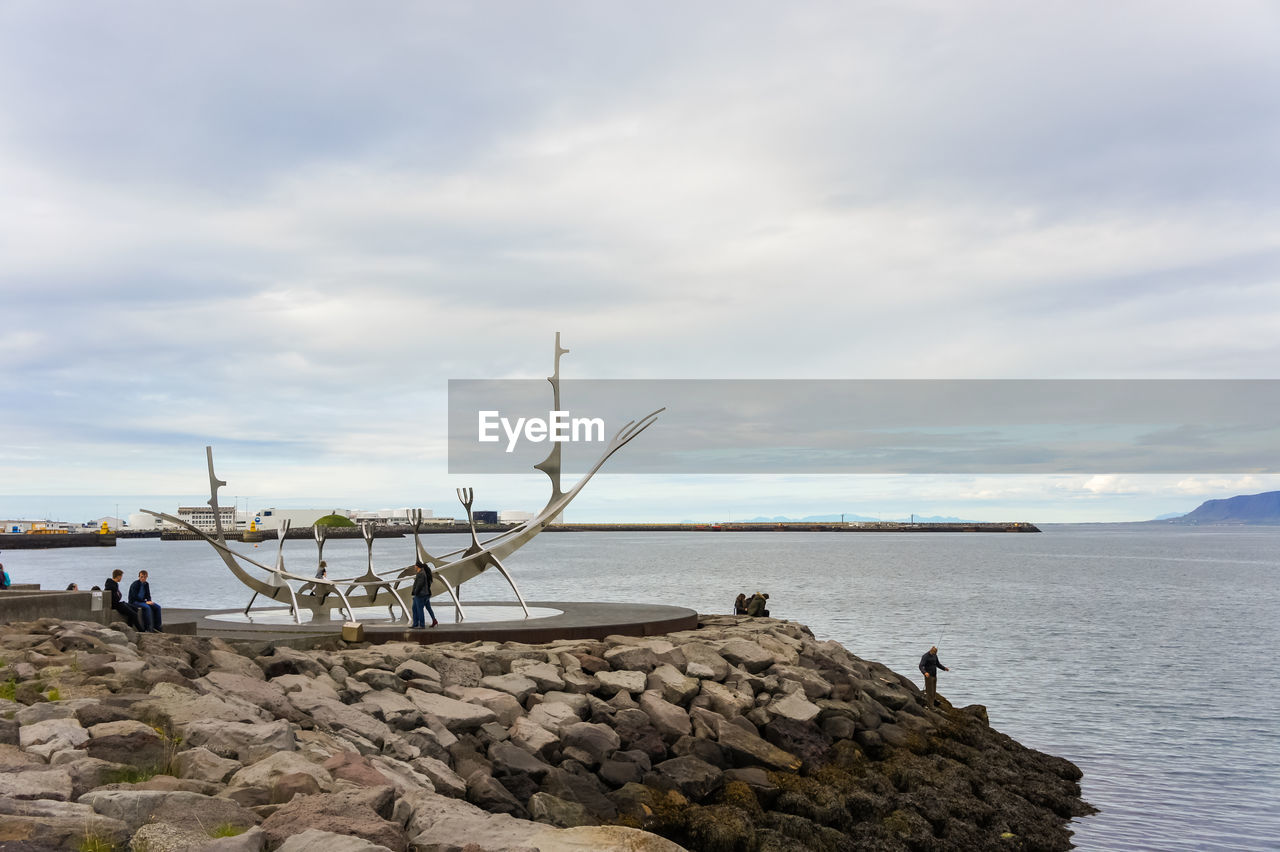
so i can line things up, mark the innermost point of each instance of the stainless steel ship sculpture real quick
(387, 588)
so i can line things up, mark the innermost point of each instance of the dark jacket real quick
(422, 584)
(929, 664)
(139, 592)
(114, 588)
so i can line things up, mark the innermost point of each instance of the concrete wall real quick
(31, 604)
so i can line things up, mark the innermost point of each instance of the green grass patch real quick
(228, 830)
(9, 688)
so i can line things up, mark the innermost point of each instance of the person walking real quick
(422, 597)
(929, 665)
(130, 613)
(148, 610)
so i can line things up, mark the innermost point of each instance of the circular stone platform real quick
(494, 621)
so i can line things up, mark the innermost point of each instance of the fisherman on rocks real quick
(929, 665)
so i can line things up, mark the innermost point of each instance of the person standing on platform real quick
(130, 613)
(4, 577)
(929, 665)
(148, 610)
(422, 597)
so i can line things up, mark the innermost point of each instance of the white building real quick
(201, 517)
(513, 516)
(143, 521)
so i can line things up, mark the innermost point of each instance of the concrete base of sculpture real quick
(494, 621)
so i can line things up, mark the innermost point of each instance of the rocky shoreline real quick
(745, 734)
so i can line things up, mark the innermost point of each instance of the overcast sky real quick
(280, 228)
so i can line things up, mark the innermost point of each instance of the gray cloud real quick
(292, 223)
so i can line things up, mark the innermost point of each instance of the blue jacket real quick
(139, 592)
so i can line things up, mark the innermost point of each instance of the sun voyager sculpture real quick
(374, 587)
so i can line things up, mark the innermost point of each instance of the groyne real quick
(741, 734)
(43, 541)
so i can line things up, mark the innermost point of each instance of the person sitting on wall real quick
(118, 604)
(148, 610)
(755, 608)
(72, 587)
(740, 605)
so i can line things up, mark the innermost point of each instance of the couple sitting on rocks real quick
(753, 606)
(139, 611)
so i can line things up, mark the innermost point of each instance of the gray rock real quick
(417, 670)
(247, 742)
(135, 808)
(597, 742)
(456, 672)
(314, 839)
(177, 707)
(746, 654)
(393, 708)
(704, 662)
(555, 716)
(457, 716)
(670, 720)
(544, 807)
(487, 792)
(52, 784)
(692, 776)
(795, 707)
(675, 687)
(362, 813)
(534, 738)
(503, 704)
(230, 662)
(343, 718)
(253, 840)
(578, 681)
(200, 764)
(445, 780)
(51, 735)
(38, 832)
(545, 675)
(268, 771)
(614, 682)
(632, 658)
(381, 679)
(270, 696)
(749, 748)
(508, 759)
(726, 701)
(516, 685)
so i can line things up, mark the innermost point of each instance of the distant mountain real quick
(1169, 516)
(1261, 508)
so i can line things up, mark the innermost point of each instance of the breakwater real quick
(46, 541)
(743, 734)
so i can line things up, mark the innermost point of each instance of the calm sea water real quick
(1146, 655)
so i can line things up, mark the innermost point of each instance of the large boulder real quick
(670, 719)
(129, 742)
(268, 771)
(457, 716)
(269, 696)
(52, 784)
(704, 662)
(516, 685)
(247, 742)
(503, 704)
(360, 813)
(187, 810)
(615, 682)
(200, 764)
(314, 839)
(51, 735)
